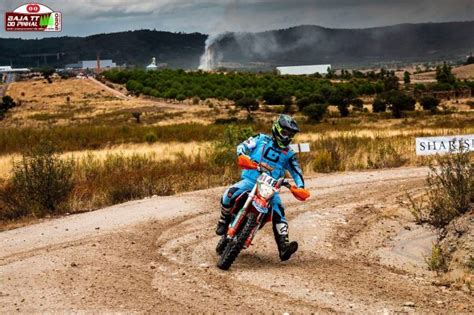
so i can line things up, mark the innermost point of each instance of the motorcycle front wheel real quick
(233, 248)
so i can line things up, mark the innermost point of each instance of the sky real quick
(87, 17)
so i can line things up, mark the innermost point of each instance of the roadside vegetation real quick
(42, 183)
(447, 205)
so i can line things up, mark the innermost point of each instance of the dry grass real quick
(82, 101)
(159, 151)
(382, 133)
(461, 72)
(464, 72)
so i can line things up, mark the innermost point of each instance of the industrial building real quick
(302, 70)
(92, 65)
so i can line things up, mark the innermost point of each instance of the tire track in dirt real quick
(167, 263)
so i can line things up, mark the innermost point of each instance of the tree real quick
(420, 87)
(315, 98)
(390, 83)
(342, 96)
(7, 103)
(135, 87)
(47, 73)
(302, 103)
(343, 109)
(444, 74)
(272, 97)
(470, 60)
(399, 102)
(406, 77)
(330, 73)
(287, 101)
(249, 103)
(429, 103)
(315, 112)
(236, 95)
(379, 105)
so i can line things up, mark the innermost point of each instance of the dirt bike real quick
(253, 213)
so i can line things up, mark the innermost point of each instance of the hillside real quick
(298, 45)
(134, 48)
(348, 47)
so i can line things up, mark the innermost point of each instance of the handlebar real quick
(246, 163)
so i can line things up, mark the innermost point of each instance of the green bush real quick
(429, 103)
(249, 103)
(399, 102)
(41, 183)
(315, 112)
(450, 191)
(151, 137)
(6, 104)
(379, 105)
(444, 74)
(223, 151)
(437, 261)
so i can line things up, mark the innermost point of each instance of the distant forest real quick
(135, 48)
(294, 46)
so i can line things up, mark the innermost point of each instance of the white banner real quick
(449, 144)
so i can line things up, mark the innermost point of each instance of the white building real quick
(92, 65)
(152, 65)
(302, 70)
(155, 66)
(9, 69)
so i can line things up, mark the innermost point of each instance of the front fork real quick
(239, 218)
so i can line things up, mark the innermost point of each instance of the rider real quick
(275, 152)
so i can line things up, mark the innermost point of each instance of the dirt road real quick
(114, 92)
(359, 253)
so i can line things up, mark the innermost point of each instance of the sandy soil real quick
(359, 253)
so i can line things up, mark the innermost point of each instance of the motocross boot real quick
(285, 247)
(224, 221)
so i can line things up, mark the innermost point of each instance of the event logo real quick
(33, 17)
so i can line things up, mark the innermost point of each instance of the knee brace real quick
(228, 198)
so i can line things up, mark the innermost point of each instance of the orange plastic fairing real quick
(300, 193)
(246, 163)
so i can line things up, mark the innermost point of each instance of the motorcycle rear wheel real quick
(234, 246)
